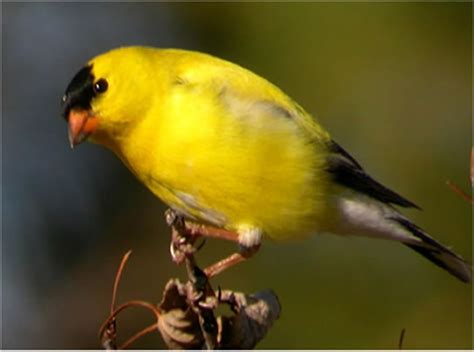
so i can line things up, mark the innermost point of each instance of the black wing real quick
(348, 172)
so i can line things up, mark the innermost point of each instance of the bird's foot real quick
(185, 233)
(182, 244)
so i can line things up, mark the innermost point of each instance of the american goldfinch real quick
(222, 146)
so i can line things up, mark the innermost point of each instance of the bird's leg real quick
(249, 243)
(191, 230)
(198, 230)
(225, 264)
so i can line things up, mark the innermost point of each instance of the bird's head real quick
(107, 96)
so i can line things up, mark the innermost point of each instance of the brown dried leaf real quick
(255, 315)
(178, 324)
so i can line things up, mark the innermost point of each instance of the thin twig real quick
(138, 335)
(135, 303)
(202, 290)
(117, 279)
(400, 340)
(472, 166)
(460, 192)
(108, 332)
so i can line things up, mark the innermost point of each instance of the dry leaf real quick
(178, 324)
(255, 315)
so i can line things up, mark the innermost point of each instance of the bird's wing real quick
(348, 172)
(246, 94)
(243, 93)
(344, 169)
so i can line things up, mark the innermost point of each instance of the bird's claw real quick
(171, 217)
(182, 241)
(180, 248)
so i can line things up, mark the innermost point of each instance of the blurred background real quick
(391, 82)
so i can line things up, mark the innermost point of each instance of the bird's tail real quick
(366, 217)
(436, 252)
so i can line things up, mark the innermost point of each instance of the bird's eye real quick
(100, 86)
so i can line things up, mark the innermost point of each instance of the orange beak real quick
(81, 125)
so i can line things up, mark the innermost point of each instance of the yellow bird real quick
(223, 146)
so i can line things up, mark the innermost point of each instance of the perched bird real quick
(223, 146)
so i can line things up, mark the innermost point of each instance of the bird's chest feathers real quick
(174, 169)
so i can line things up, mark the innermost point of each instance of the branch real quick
(186, 316)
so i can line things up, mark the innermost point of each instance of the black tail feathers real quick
(437, 253)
